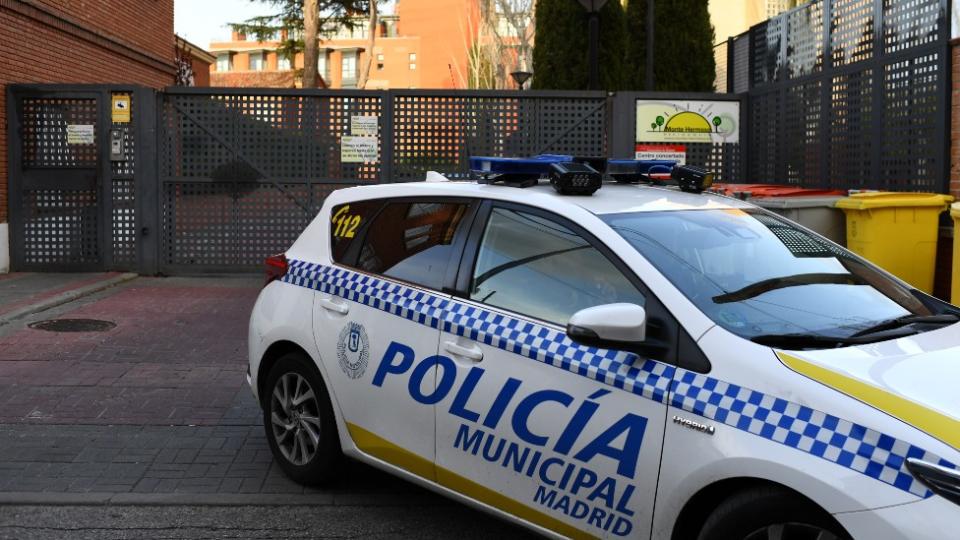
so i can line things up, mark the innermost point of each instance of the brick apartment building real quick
(424, 44)
(65, 41)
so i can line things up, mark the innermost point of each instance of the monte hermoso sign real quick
(688, 121)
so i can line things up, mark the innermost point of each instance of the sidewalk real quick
(25, 293)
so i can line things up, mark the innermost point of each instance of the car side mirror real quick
(610, 326)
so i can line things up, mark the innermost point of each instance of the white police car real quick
(641, 363)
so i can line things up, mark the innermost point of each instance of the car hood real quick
(913, 378)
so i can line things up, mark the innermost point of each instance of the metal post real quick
(593, 57)
(651, 80)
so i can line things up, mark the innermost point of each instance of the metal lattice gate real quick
(73, 178)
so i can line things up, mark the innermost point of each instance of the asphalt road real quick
(182, 522)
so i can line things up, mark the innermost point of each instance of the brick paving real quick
(176, 356)
(157, 405)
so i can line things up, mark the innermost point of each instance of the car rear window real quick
(407, 240)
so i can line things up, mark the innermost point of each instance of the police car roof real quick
(612, 198)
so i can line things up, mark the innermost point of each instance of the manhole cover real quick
(73, 325)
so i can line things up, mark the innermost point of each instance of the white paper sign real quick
(80, 134)
(364, 126)
(358, 149)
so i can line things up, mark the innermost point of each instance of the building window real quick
(224, 62)
(413, 60)
(256, 61)
(349, 69)
(322, 66)
(283, 63)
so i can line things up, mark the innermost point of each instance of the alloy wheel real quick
(791, 531)
(295, 418)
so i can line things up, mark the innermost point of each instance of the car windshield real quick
(760, 277)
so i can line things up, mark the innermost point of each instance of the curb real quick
(187, 499)
(64, 298)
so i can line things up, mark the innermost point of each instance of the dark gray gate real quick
(242, 171)
(73, 205)
(848, 94)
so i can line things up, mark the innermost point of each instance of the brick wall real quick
(258, 79)
(82, 41)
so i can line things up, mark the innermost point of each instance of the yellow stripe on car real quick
(939, 425)
(380, 448)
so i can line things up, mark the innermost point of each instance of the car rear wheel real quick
(299, 421)
(769, 513)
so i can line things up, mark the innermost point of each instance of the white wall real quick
(4, 249)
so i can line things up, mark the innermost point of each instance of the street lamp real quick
(593, 55)
(521, 77)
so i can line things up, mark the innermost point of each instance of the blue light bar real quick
(621, 169)
(516, 166)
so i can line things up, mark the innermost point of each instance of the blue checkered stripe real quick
(411, 304)
(646, 378)
(836, 440)
(844, 443)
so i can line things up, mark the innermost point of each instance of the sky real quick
(203, 21)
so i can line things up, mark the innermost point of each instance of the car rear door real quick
(565, 436)
(376, 313)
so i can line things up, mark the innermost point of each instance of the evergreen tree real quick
(683, 46)
(560, 52)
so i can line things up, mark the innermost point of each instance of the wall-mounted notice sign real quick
(358, 149)
(80, 134)
(364, 126)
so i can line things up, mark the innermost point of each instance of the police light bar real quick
(569, 175)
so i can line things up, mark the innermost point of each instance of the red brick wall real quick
(201, 72)
(258, 79)
(147, 25)
(82, 41)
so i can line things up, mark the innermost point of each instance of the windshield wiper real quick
(810, 341)
(943, 318)
(767, 285)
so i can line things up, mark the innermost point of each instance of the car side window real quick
(536, 267)
(412, 241)
(347, 223)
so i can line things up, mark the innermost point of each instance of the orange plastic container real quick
(774, 190)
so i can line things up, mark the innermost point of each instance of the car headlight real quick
(941, 480)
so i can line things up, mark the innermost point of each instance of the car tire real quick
(769, 512)
(299, 422)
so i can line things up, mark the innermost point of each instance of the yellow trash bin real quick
(896, 231)
(955, 278)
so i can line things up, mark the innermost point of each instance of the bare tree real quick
(371, 42)
(510, 25)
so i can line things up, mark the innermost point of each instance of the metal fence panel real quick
(848, 94)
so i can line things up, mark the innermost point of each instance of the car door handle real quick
(330, 304)
(473, 353)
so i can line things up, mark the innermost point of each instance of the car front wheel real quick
(299, 421)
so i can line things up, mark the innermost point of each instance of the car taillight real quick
(276, 268)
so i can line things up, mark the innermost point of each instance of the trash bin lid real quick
(955, 210)
(888, 199)
(776, 190)
(781, 203)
